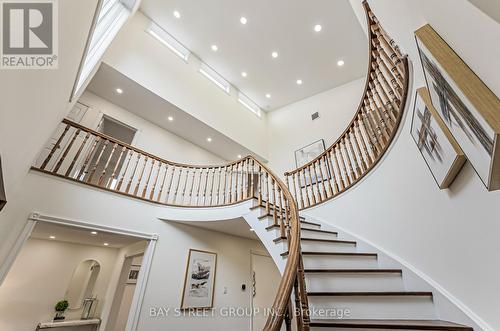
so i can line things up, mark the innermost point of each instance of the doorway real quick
(265, 280)
(78, 266)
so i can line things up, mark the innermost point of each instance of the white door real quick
(266, 281)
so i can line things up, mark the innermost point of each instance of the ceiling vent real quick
(314, 116)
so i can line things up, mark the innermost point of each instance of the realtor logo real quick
(29, 34)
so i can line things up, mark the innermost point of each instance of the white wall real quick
(164, 288)
(452, 235)
(40, 278)
(126, 298)
(34, 101)
(143, 59)
(150, 137)
(291, 128)
(114, 295)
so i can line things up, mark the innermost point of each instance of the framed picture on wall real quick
(307, 154)
(199, 282)
(469, 109)
(133, 274)
(440, 150)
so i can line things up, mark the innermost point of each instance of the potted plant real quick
(60, 308)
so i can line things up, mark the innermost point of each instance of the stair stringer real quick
(447, 306)
(266, 237)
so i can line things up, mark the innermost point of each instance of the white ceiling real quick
(70, 234)
(490, 8)
(150, 106)
(236, 227)
(286, 26)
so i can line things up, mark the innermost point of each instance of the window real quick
(166, 39)
(214, 77)
(249, 104)
(111, 16)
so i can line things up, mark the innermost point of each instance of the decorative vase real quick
(59, 316)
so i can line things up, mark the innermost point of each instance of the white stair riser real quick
(330, 282)
(309, 226)
(332, 261)
(364, 307)
(321, 246)
(317, 235)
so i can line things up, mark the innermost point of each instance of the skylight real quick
(110, 17)
(166, 39)
(249, 104)
(214, 77)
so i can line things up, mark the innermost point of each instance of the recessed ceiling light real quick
(268, 96)
(93, 233)
(119, 91)
(318, 28)
(243, 20)
(52, 237)
(299, 81)
(214, 48)
(177, 14)
(106, 244)
(244, 74)
(340, 63)
(274, 54)
(209, 139)
(170, 118)
(239, 156)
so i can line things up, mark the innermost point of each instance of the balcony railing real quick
(370, 133)
(85, 156)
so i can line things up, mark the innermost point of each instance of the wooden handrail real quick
(138, 150)
(86, 156)
(369, 134)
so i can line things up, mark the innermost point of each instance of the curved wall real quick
(450, 236)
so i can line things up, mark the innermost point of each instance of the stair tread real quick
(336, 254)
(321, 240)
(396, 293)
(390, 324)
(357, 270)
(303, 229)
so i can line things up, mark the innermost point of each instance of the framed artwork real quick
(199, 282)
(440, 150)
(307, 154)
(133, 274)
(3, 199)
(468, 108)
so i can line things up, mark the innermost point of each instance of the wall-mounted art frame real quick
(470, 110)
(305, 155)
(133, 274)
(199, 282)
(3, 199)
(439, 149)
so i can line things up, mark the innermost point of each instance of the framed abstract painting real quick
(469, 109)
(440, 150)
(199, 282)
(3, 199)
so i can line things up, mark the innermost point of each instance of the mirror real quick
(82, 283)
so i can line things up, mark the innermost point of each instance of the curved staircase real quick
(369, 135)
(331, 281)
(349, 286)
